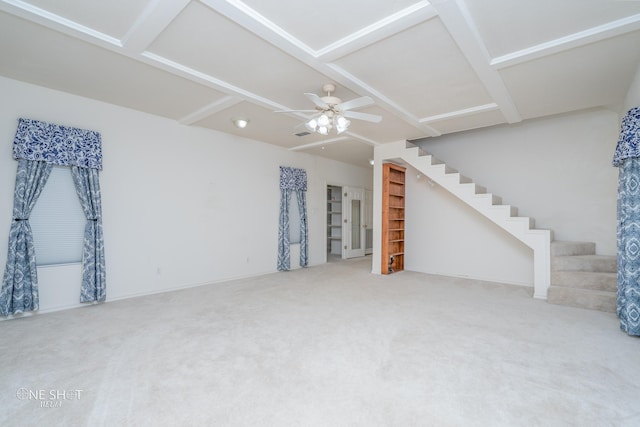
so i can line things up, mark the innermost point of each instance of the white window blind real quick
(294, 219)
(57, 221)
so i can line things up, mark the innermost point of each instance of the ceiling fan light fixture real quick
(323, 120)
(331, 113)
(341, 124)
(312, 125)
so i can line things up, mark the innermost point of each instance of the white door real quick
(353, 226)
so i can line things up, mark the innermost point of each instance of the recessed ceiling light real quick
(240, 123)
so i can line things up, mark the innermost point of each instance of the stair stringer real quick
(486, 204)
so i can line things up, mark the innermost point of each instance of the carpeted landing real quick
(331, 345)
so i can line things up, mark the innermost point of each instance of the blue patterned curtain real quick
(292, 179)
(627, 158)
(284, 256)
(19, 291)
(37, 147)
(93, 270)
(304, 241)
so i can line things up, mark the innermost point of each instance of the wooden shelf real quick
(334, 220)
(393, 199)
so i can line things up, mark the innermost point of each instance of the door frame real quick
(348, 194)
(325, 212)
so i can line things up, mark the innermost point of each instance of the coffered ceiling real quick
(432, 67)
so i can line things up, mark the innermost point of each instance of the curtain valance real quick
(629, 141)
(293, 179)
(57, 144)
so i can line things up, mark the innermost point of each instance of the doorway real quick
(349, 222)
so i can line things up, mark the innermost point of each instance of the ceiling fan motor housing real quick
(330, 100)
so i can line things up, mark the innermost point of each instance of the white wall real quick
(182, 205)
(556, 170)
(447, 237)
(633, 95)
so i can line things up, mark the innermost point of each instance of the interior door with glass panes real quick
(353, 226)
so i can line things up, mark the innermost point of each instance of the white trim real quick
(208, 80)
(245, 16)
(361, 138)
(386, 27)
(51, 20)
(208, 110)
(318, 143)
(155, 18)
(248, 18)
(457, 19)
(461, 113)
(581, 38)
(401, 112)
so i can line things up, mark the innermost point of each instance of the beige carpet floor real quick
(331, 345)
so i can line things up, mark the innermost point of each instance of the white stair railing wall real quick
(486, 204)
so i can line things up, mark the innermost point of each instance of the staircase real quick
(487, 204)
(580, 278)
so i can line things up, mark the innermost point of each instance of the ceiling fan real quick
(332, 113)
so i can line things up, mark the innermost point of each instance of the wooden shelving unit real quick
(334, 220)
(393, 194)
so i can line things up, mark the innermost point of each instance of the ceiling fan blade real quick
(355, 103)
(296, 111)
(362, 116)
(317, 100)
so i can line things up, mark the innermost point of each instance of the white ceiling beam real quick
(460, 113)
(318, 143)
(352, 82)
(155, 18)
(254, 22)
(457, 19)
(386, 27)
(58, 23)
(581, 38)
(151, 23)
(361, 138)
(348, 136)
(209, 110)
(251, 20)
(158, 15)
(207, 80)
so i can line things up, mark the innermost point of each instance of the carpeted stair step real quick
(565, 248)
(593, 280)
(580, 278)
(582, 298)
(600, 263)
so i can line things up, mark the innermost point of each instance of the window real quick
(57, 221)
